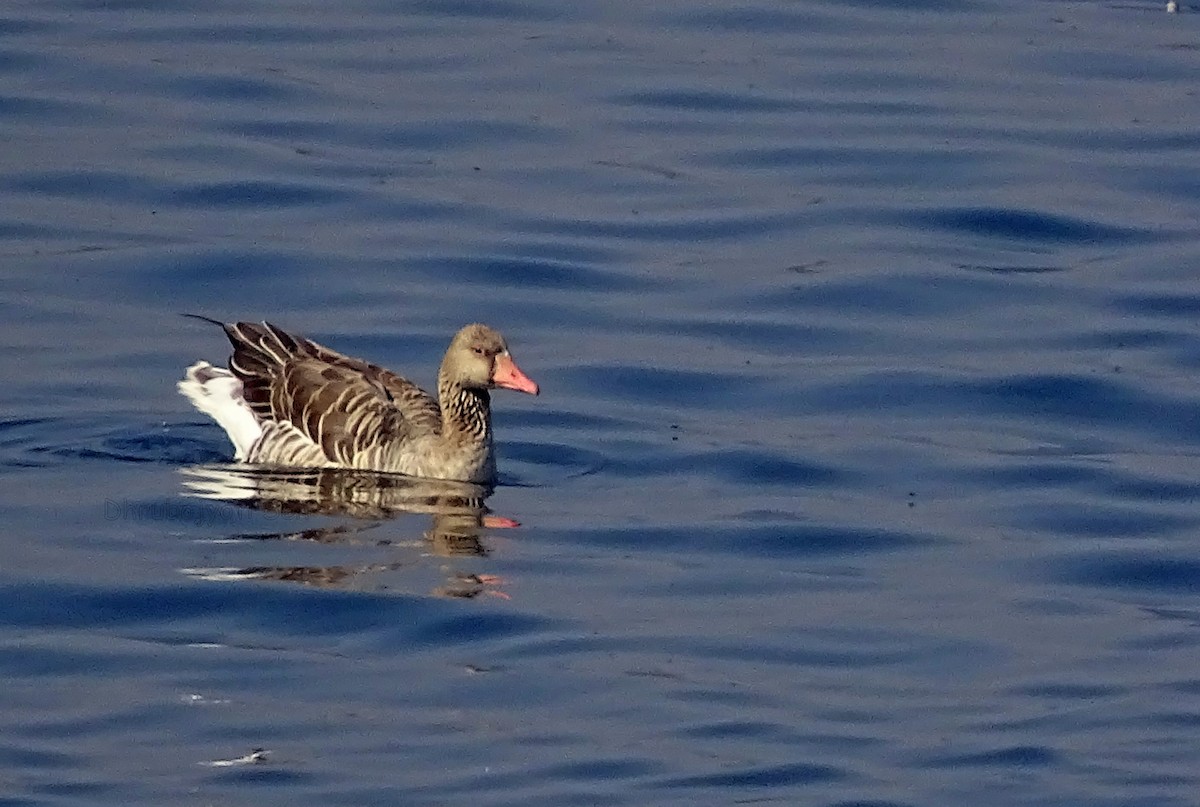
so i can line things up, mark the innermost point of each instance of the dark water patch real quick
(889, 391)
(879, 166)
(1135, 571)
(1100, 64)
(39, 442)
(200, 282)
(48, 662)
(14, 26)
(766, 467)
(810, 649)
(391, 206)
(782, 540)
(1126, 339)
(1014, 269)
(1097, 520)
(527, 273)
(122, 719)
(719, 226)
(14, 231)
(282, 611)
(1091, 399)
(111, 6)
(44, 110)
(735, 729)
(489, 10)
(13, 430)
(720, 695)
(1017, 756)
(770, 338)
(543, 418)
(1172, 182)
(1151, 490)
(227, 33)
(23, 756)
(1171, 304)
(444, 135)
(1028, 226)
(77, 790)
(233, 88)
(195, 443)
(256, 194)
(93, 184)
(1164, 138)
(755, 19)
(601, 769)
(1113, 401)
(909, 6)
(895, 295)
(1035, 476)
(35, 233)
(472, 628)
(285, 129)
(755, 777)
(1071, 691)
(703, 100)
(852, 652)
(567, 461)
(680, 389)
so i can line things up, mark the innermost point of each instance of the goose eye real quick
(478, 351)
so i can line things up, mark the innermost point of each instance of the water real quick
(864, 471)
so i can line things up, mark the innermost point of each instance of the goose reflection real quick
(457, 510)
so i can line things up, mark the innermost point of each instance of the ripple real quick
(681, 388)
(1101, 521)
(1137, 571)
(1028, 225)
(764, 776)
(45, 109)
(779, 540)
(182, 445)
(1018, 756)
(23, 756)
(756, 19)
(567, 461)
(488, 10)
(704, 100)
(1169, 304)
(528, 273)
(92, 184)
(703, 228)
(232, 88)
(260, 194)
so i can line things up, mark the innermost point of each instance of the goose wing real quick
(344, 405)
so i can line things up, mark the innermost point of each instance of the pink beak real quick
(506, 374)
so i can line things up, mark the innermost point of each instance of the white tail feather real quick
(217, 393)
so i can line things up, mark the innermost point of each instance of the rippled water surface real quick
(865, 466)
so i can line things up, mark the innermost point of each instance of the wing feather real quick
(341, 406)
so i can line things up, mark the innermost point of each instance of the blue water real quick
(865, 466)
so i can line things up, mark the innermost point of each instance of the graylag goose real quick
(286, 401)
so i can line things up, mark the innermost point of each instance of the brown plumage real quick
(288, 401)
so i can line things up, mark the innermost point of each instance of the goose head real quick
(478, 358)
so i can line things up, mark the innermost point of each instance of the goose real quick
(286, 401)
